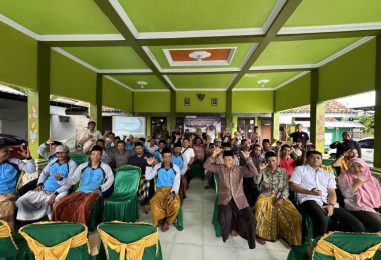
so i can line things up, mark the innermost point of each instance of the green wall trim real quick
(350, 74)
(377, 117)
(201, 106)
(18, 62)
(300, 90)
(72, 80)
(116, 96)
(252, 101)
(152, 102)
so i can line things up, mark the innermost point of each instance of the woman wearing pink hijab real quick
(362, 193)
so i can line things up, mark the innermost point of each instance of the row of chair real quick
(64, 240)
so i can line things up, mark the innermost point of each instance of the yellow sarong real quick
(160, 208)
(275, 222)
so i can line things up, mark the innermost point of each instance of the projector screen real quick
(124, 125)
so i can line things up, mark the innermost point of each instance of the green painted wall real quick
(300, 90)
(253, 101)
(204, 106)
(116, 96)
(350, 74)
(70, 79)
(146, 102)
(18, 58)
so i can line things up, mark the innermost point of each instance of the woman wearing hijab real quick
(362, 193)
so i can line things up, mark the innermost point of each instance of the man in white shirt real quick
(150, 146)
(317, 196)
(89, 135)
(211, 132)
(188, 154)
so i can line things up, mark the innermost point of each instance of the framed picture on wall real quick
(186, 101)
(214, 101)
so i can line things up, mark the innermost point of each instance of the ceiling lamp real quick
(199, 55)
(142, 83)
(263, 82)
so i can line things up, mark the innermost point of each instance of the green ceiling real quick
(58, 16)
(175, 15)
(301, 52)
(250, 80)
(234, 20)
(239, 55)
(204, 81)
(131, 81)
(332, 12)
(120, 57)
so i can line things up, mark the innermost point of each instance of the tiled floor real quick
(197, 241)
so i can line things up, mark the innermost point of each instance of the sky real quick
(360, 100)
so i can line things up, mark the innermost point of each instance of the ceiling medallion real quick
(199, 55)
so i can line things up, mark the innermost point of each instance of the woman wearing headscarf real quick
(362, 193)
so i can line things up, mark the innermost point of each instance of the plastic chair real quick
(217, 225)
(123, 204)
(132, 241)
(8, 248)
(79, 158)
(54, 240)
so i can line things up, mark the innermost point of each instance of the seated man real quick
(146, 188)
(234, 213)
(36, 204)
(47, 149)
(119, 156)
(276, 216)
(165, 203)
(317, 197)
(10, 170)
(94, 177)
(177, 159)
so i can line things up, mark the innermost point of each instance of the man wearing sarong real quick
(165, 203)
(178, 159)
(94, 177)
(146, 188)
(10, 170)
(234, 213)
(38, 203)
(276, 216)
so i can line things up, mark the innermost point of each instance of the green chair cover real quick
(128, 233)
(51, 234)
(217, 225)
(179, 224)
(79, 158)
(8, 248)
(328, 162)
(353, 243)
(197, 171)
(123, 204)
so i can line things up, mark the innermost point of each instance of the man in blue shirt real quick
(94, 177)
(37, 203)
(165, 204)
(10, 170)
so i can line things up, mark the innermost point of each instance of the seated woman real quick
(94, 177)
(276, 216)
(165, 204)
(362, 193)
(37, 203)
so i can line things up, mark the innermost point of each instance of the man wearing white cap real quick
(37, 203)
